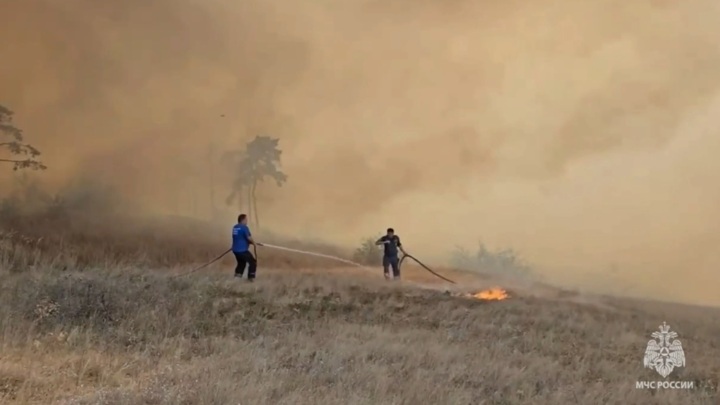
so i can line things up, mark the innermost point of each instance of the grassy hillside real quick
(91, 320)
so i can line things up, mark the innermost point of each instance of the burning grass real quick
(493, 294)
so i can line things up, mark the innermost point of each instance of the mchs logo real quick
(663, 354)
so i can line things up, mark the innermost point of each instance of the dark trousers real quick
(245, 259)
(394, 262)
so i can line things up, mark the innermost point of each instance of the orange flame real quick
(493, 294)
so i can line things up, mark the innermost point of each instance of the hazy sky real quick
(580, 133)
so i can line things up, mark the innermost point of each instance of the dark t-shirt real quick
(391, 249)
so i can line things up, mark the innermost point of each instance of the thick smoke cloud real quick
(580, 133)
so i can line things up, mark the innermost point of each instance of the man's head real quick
(242, 219)
(390, 232)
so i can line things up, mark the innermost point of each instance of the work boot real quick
(238, 275)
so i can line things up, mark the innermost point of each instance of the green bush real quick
(368, 253)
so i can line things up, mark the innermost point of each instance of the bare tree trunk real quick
(195, 203)
(249, 203)
(254, 199)
(211, 155)
(175, 197)
(240, 200)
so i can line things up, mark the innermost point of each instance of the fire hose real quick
(423, 265)
(206, 264)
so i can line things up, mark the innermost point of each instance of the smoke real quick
(580, 133)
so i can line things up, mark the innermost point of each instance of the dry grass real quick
(97, 320)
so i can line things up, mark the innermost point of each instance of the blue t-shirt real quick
(240, 235)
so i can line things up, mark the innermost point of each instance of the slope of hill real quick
(110, 333)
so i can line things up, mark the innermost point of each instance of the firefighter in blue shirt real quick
(241, 241)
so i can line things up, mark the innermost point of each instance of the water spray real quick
(305, 252)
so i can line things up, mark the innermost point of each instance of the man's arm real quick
(248, 236)
(400, 246)
(382, 241)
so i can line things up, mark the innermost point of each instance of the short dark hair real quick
(390, 230)
(241, 217)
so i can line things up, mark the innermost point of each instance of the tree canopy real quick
(20, 154)
(259, 160)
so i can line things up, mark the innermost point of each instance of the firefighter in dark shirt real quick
(391, 244)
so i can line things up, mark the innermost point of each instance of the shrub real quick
(368, 253)
(86, 196)
(505, 261)
(80, 197)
